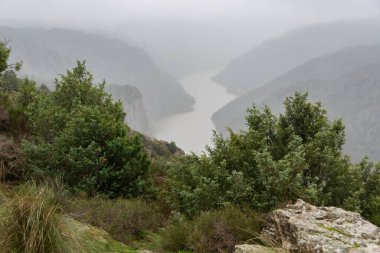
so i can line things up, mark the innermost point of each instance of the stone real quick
(302, 227)
(247, 248)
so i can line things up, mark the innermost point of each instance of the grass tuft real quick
(31, 222)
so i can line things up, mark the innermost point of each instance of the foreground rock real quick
(302, 227)
(246, 248)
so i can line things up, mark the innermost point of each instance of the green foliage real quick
(125, 220)
(9, 81)
(78, 131)
(295, 155)
(4, 55)
(212, 231)
(13, 121)
(174, 237)
(363, 181)
(10, 161)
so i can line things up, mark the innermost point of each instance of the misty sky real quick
(90, 13)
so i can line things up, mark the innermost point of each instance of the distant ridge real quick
(49, 52)
(348, 85)
(279, 55)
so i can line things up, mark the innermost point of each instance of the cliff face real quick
(133, 106)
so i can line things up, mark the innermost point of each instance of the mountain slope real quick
(47, 53)
(348, 85)
(133, 106)
(279, 55)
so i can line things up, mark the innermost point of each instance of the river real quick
(192, 131)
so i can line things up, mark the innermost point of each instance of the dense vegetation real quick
(346, 82)
(149, 194)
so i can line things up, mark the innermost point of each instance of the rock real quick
(132, 101)
(302, 227)
(246, 248)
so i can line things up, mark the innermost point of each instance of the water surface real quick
(192, 131)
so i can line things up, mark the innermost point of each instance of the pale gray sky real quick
(92, 13)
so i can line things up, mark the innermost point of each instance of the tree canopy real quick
(79, 132)
(278, 159)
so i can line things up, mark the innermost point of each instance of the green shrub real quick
(174, 237)
(218, 231)
(10, 160)
(125, 220)
(31, 222)
(77, 131)
(298, 154)
(212, 231)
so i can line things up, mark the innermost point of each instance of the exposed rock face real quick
(133, 106)
(302, 227)
(246, 248)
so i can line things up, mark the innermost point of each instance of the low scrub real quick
(10, 162)
(125, 220)
(212, 231)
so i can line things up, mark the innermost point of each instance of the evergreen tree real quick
(79, 132)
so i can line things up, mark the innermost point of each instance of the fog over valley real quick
(189, 126)
(150, 52)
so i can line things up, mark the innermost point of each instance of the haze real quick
(181, 39)
(91, 13)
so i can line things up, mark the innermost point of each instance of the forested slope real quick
(348, 85)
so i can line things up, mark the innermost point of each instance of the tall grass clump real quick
(31, 222)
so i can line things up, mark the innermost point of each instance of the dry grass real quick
(31, 222)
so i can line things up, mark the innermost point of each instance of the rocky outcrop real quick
(133, 106)
(247, 248)
(302, 227)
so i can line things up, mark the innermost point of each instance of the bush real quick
(125, 220)
(31, 222)
(174, 237)
(10, 161)
(212, 231)
(218, 231)
(77, 131)
(298, 154)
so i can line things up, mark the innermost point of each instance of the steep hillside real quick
(133, 106)
(279, 55)
(47, 53)
(348, 85)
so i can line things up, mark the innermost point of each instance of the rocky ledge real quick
(302, 227)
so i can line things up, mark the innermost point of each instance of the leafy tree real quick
(4, 55)
(277, 159)
(79, 132)
(9, 81)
